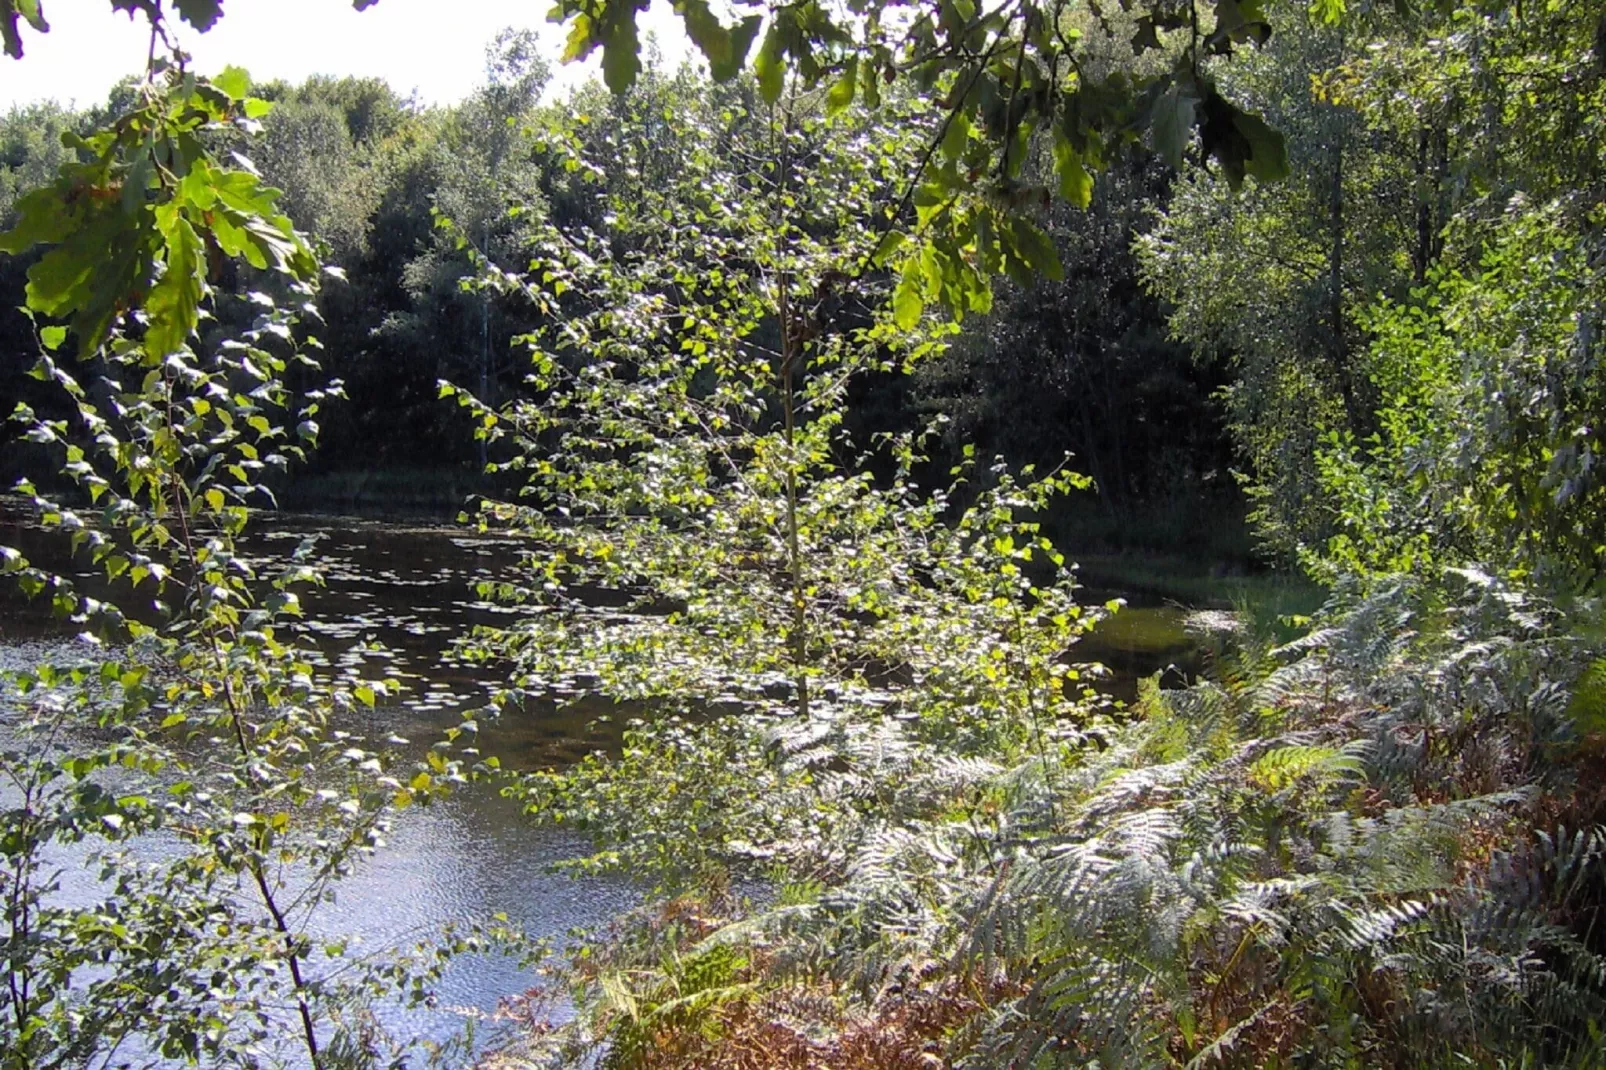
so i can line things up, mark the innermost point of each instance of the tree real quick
(1004, 75)
(483, 167)
(1416, 175)
(307, 149)
(687, 450)
(1084, 364)
(31, 151)
(1488, 435)
(1290, 269)
(195, 721)
(1289, 864)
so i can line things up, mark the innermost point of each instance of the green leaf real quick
(1034, 249)
(769, 66)
(236, 240)
(244, 192)
(234, 81)
(887, 247)
(201, 14)
(103, 255)
(137, 182)
(1076, 185)
(908, 298)
(1171, 123)
(705, 30)
(175, 300)
(52, 337)
(1268, 152)
(1328, 11)
(957, 136)
(1239, 20)
(742, 36)
(840, 95)
(621, 52)
(580, 42)
(10, 10)
(43, 217)
(214, 499)
(725, 49)
(197, 187)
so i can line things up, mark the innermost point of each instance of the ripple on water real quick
(471, 855)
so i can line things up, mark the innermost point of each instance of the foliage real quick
(32, 151)
(1310, 847)
(1356, 849)
(1289, 267)
(1008, 71)
(363, 170)
(138, 216)
(1483, 439)
(482, 173)
(1432, 151)
(688, 455)
(1084, 362)
(1379, 844)
(996, 78)
(1486, 447)
(309, 149)
(184, 751)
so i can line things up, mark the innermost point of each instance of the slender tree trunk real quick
(1091, 453)
(1084, 389)
(791, 345)
(1337, 348)
(1425, 198)
(1441, 192)
(485, 356)
(1432, 209)
(1117, 423)
(235, 704)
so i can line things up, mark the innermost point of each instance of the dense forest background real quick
(1086, 364)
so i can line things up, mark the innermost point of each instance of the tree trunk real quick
(1337, 348)
(791, 352)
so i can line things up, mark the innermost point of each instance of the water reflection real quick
(394, 597)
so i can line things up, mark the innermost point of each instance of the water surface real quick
(394, 597)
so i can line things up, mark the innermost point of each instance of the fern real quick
(1325, 861)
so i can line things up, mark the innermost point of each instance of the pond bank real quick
(394, 597)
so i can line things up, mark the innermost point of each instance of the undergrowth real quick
(1377, 845)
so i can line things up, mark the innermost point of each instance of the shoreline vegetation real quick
(1150, 574)
(800, 377)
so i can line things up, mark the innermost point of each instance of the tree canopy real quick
(991, 79)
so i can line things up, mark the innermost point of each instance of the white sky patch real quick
(436, 49)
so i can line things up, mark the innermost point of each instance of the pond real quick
(394, 597)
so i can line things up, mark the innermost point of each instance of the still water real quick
(394, 597)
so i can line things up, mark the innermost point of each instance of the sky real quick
(433, 47)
